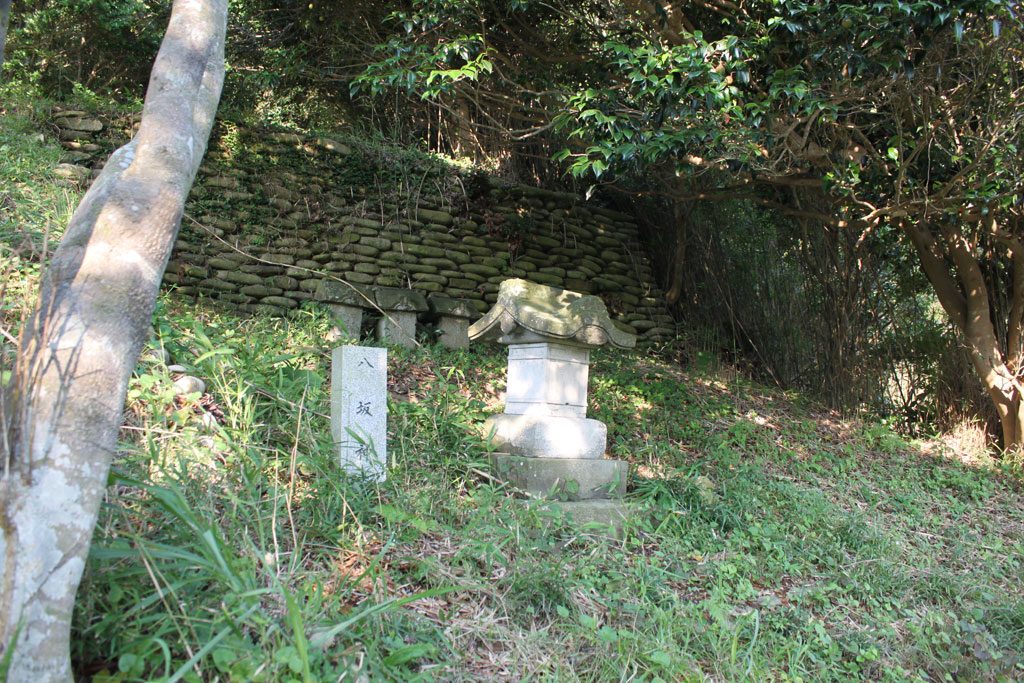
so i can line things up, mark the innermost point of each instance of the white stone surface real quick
(359, 409)
(547, 379)
(398, 327)
(544, 436)
(186, 384)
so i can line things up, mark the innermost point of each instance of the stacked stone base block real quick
(580, 491)
(544, 436)
(603, 513)
(563, 479)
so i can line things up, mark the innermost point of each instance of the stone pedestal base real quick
(452, 318)
(398, 327)
(563, 479)
(605, 516)
(349, 319)
(541, 436)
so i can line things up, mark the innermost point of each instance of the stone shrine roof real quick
(549, 312)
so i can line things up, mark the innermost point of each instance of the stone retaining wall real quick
(271, 214)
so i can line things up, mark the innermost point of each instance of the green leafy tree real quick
(898, 116)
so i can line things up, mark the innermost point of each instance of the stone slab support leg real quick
(399, 310)
(454, 332)
(397, 327)
(452, 317)
(348, 319)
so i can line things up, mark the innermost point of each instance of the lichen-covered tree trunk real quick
(78, 349)
(5, 15)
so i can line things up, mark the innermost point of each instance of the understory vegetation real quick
(769, 538)
(772, 537)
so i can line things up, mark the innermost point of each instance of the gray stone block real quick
(282, 301)
(398, 327)
(429, 216)
(348, 319)
(457, 308)
(562, 479)
(605, 515)
(359, 278)
(545, 436)
(454, 332)
(397, 299)
(344, 293)
(547, 379)
(359, 409)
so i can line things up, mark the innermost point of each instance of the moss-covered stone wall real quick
(271, 214)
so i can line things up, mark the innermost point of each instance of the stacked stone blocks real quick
(288, 226)
(273, 213)
(547, 447)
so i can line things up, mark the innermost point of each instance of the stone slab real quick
(542, 436)
(562, 479)
(605, 516)
(359, 409)
(345, 293)
(396, 299)
(442, 305)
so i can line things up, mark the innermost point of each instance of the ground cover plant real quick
(771, 539)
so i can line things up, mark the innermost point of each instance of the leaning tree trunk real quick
(950, 263)
(81, 343)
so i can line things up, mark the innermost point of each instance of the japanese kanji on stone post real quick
(359, 409)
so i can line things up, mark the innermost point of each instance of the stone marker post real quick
(550, 449)
(359, 407)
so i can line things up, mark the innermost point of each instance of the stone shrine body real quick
(548, 447)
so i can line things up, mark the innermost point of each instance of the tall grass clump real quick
(225, 543)
(766, 538)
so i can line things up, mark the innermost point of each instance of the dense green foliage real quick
(771, 539)
(895, 121)
(676, 114)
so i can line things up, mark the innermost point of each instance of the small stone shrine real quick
(346, 302)
(452, 317)
(359, 409)
(547, 445)
(399, 310)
